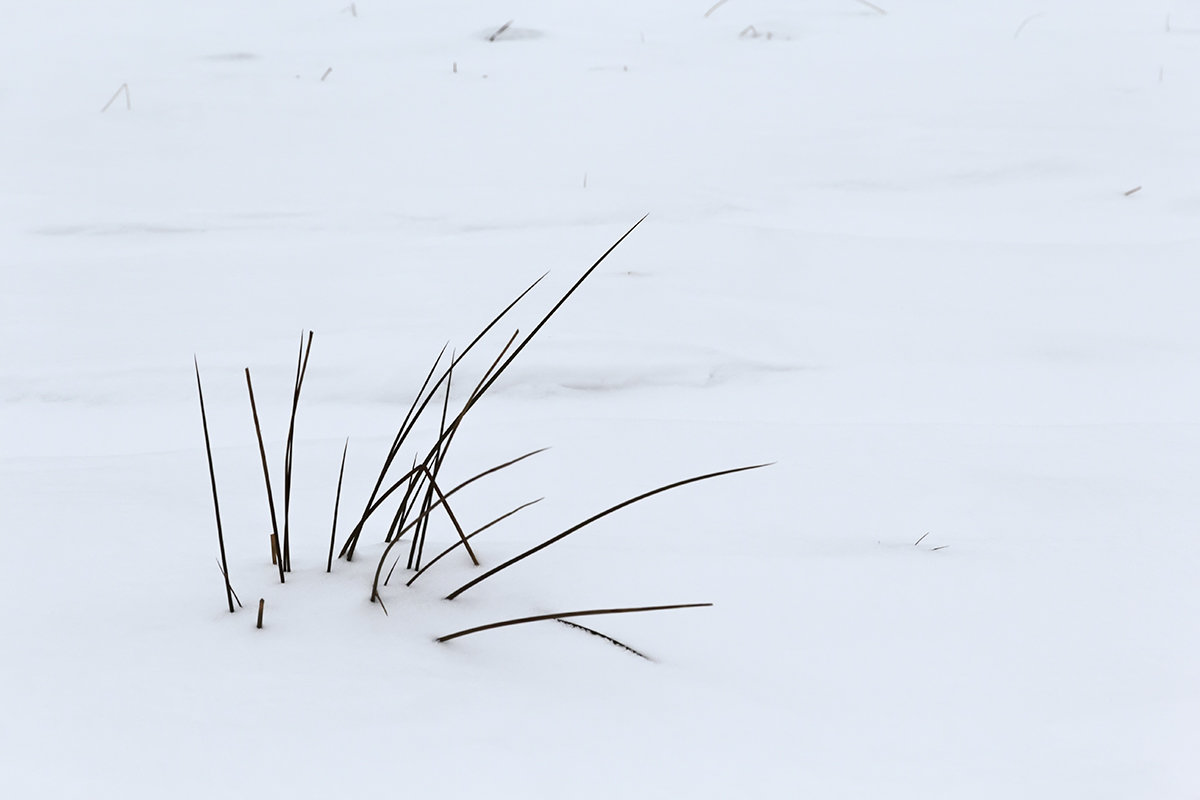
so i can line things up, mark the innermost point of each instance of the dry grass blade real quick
(415, 470)
(873, 7)
(715, 7)
(337, 500)
(524, 342)
(1026, 21)
(452, 547)
(564, 615)
(604, 636)
(397, 443)
(212, 474)
(592, 519)
(123, 88)
(301, 368)
(443, 501)
(262, 451)
(411, 419)
(418, 544)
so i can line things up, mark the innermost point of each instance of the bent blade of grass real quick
(262, 451)
(592, 519)
(564, 615)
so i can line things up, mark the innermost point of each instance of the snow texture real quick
(938, 263)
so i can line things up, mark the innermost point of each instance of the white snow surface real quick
(895, 253)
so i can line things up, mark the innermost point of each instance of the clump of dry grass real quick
(415, 496)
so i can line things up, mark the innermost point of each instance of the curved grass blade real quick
(443, 501)
(262, 451)
(301, 369)
(452, 547)
(383, 498)
(564, 615)
(592, 519)
(411, 420)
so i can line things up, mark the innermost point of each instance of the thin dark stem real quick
(495, 374)
(352, 540)
(212, 474)
(452, 547)
(592, 519)
(443, 501)
(565, 615)
(415, 470)
(337, 499)
(262, 451)
(411, 419)
(301, 369)
(524, 342)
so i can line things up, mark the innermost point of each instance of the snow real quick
(895, 253)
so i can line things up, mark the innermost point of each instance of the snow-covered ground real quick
(900, 254)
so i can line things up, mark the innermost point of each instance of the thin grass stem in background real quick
(714, 8)
(124, 87)
(500, 30)
(873, 7)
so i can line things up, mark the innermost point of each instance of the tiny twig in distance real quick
(918, 541)
(1026, 21)
(564, 615)
(123, 88)
(1133, 191)
(500, 30)
(326, 75)
(872, 6)
(261, 603)
(714, 8)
